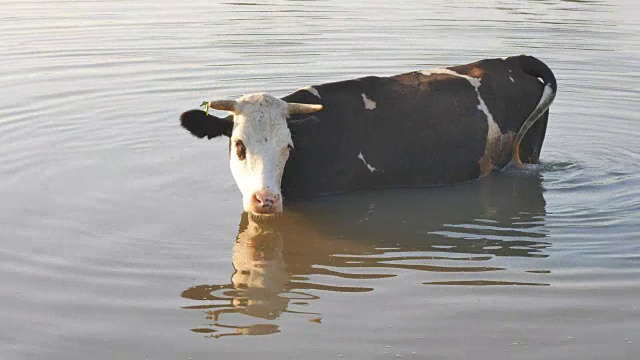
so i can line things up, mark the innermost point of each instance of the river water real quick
(123, 236)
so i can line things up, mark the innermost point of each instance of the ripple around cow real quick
(109, 212)
(346, 244)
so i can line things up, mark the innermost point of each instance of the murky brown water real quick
(119, 229)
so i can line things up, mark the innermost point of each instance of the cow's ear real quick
(199, 124)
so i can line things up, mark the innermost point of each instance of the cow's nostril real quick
(265, 199)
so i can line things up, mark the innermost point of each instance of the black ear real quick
(200, 124)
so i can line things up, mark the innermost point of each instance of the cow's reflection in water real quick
(258, 280)
(484, 233)
(259, 272)
(260, 285)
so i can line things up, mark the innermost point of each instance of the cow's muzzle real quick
(265, 202)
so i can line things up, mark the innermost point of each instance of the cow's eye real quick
(241, 150)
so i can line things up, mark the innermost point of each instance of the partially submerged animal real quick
(423, 128)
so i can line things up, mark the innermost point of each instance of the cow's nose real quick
(265, 201)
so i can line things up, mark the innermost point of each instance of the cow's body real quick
(422, 128)
(415, 129)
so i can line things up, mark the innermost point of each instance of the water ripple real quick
(109, 211)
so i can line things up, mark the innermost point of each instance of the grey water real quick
(122, 236)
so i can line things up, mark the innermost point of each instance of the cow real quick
(422, 128)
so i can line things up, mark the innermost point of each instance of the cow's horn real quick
(295, 108)
(225, 105)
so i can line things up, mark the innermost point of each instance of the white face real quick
(260, 145)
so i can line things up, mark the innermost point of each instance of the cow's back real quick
(415, 129)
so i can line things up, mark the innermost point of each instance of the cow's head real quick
(260, 143)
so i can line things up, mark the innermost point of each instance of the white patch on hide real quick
(475, 82)
(371, 168)
(368, 103)
(512, 80)
(493, 132)
(312, 90)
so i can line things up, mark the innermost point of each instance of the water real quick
(118, 228)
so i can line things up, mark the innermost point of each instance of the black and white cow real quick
(422, 128)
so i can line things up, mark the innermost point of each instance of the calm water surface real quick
(123, 236)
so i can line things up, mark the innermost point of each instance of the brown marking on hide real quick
(410, 79)
(497, 151)
(417, 79)
(470, 70)
(476, 72)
